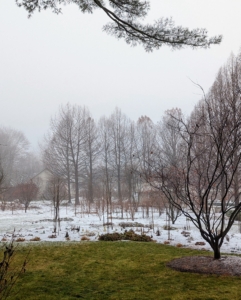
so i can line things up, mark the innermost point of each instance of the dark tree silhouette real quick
(204, 176)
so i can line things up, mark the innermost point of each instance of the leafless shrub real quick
(35, 239)
(84, 238)
(52, 236)
(20, 239)
(75, 228)
(9, 274)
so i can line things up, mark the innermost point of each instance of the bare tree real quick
(2, 187)
(145, 141)
(17, 164)
(56, 152)
(57, 192)
(169, 142)
(125, 16)
(91, 151)
(26, 192)
(66, 145)
(105, 172)
(77, 141)
(27, 167)
(118, 135)
(208, 164)
(13, 150)
(132, 179)
(145, 145)
(225, 93)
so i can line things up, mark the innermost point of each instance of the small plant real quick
(190, 239)
(179, 245)
(90, 234)
(75, 228)
(52, 236)
(185, 233)
(200, 244)
(35, 239)
(169, 228)
(110, 237)
(127, 235)
(130, 224)
(85, 238)
(20, 239)
(9, 274)
(67, 237)
(166, 243)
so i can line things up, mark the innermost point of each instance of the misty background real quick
(49, 60)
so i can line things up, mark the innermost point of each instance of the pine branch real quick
(125, 16)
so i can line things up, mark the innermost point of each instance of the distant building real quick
(42, 180)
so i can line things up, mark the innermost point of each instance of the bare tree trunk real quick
(68, 178)
(77, 202)
(236, 181)
(216, 251)
(91, 197)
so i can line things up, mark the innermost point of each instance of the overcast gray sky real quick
(49, 60)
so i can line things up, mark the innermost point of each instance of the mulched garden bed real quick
(227, 265)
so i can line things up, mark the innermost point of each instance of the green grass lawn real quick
(115, 270)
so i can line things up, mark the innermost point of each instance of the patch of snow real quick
(38, 222)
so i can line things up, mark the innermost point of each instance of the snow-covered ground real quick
(38, 222)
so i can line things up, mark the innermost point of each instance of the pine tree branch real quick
(125, 15)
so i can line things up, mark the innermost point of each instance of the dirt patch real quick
(226, 265)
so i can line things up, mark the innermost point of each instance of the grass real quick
(115, 270)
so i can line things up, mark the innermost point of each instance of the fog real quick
(49, 60)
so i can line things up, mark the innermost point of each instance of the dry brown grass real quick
(20, 239)
(35, 239)
(84, 238)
